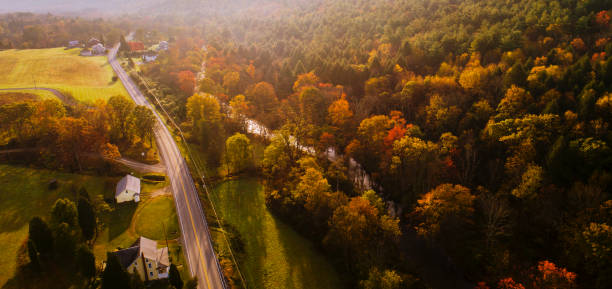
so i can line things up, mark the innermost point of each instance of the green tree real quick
(175, 277)
(86, 262)
(64, 211)
(34, 256)
(114, 276)
(87, 218)
(239, 153)
(42, 237)
(65, 242)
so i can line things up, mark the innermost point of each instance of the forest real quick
(484, 126)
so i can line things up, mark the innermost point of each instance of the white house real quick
(98, 49)
(163, 45)
(73, 44)
(128, 189)
(145, 259)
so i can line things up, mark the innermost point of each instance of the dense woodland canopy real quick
(485, 123)
(484, 126)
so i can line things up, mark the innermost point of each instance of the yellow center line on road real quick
(193, 225)
(188, 206)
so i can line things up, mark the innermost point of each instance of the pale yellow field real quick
(85, 78)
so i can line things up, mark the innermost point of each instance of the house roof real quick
(127, 256)
(162, 257)
(98, 46)
(130, 183)
(136, 46)
(143, 247)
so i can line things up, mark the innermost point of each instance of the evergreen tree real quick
(87, 218)
(33, 254)
(114, 276)
(41, 236)
(86, 262)
(175, 277)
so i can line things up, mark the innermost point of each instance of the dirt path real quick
(69, 100)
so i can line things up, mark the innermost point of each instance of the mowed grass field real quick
(85, 78)
(275, 255)
(24, 193)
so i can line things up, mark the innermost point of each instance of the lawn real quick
(129, 220)
(24, 194)
(85, 78)
(152, 214)
(275, 255)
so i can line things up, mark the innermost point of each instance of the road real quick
(197, 243)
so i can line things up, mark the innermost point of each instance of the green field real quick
(275, 255)
(24, 194)
(85, 78)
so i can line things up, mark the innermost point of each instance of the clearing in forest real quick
(86, 78)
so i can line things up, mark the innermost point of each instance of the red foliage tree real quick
(186, 81)
(602, 18)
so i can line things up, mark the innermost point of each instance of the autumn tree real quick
(339, 112)
(239, 153)
(144, 123)
(441, 207)
(387, 279)
(204, 117)
(186, 81)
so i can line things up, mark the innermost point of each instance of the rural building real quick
(145, 259)
(163, 45)
(128, 189)
(98, 49)
(149, 58)
(73, 44)
(86, 52)
(136, 46)
(93, 41)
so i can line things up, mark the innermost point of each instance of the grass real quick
(129, 220)
(9, 96)
(149, 218)
(275, 256)
(85, 78)
(24, 194)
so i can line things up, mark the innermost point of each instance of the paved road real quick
(196, 238)
(142, 167)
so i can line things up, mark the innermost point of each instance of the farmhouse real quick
(145, 259)
(86, 52)
(98, 49)
(93, 41)
(73, 44)
(136, 46)
(128, 189)
(163, 45)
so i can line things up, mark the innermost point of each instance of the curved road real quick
(197, 243)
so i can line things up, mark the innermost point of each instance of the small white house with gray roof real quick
(128, 189)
